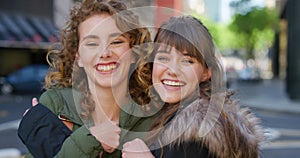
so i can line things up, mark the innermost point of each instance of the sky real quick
(226, 12)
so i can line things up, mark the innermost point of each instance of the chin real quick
(171, 100)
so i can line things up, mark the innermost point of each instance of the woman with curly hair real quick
(197, 117)
(93, 74)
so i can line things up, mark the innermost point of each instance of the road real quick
(284, 135)
(12, 108)
(284, 129)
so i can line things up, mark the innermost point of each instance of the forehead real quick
(100, 25)
(164, 48)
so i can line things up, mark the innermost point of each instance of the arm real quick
(54, 138)
(40, 129)
(45, 135)
(80, 144)
(39, 122)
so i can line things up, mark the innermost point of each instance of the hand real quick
(136, 149)
(34, 102)
(108, 134)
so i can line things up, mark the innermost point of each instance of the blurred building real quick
(26, 31)
(279, 55)
(29, 28)
(287, 46)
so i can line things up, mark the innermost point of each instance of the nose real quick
(173, 68)
(106, 53)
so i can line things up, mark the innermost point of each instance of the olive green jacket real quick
(81, 143)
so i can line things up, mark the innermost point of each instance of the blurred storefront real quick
(27, 31)
(29, 28)
(287, 48)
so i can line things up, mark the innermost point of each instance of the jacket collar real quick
(203, 123)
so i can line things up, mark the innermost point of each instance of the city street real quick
(280, 116)
(12, 108)
(284, 135)
(283, 128)
(255, 41)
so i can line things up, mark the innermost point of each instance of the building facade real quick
(27, 30)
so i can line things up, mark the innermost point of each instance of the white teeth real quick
(173, 83)
(106, 67)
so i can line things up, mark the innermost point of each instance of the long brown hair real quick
(62, 61)
(186, 33)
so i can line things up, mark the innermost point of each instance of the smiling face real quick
(104, 52)
(176, 75)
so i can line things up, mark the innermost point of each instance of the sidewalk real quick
(269, 95)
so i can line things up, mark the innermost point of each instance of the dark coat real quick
(184, 150)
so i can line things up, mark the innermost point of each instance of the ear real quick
(79, 62)
(206, 74)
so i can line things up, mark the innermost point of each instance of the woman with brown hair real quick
(198, 118)
(92, 76)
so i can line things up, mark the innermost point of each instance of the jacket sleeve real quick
(80, 144)
(42, 132)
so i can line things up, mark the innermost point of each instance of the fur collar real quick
(235, 132)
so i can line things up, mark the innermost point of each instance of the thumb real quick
(34, 101)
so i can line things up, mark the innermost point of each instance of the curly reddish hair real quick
(64, 70)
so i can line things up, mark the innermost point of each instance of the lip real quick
(106, 68)
(172, 84)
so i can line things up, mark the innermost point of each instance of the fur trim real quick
(227, 133)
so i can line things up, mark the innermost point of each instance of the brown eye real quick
(116, 42)
(188, 60)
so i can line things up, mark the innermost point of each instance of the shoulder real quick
(54, 99)
(211, 125)
(133, 116)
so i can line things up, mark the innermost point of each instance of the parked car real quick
(232, 66)
(28, 79)
(250, 74)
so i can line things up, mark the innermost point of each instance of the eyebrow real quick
(112, 35)
(90, 37)
(164, 51)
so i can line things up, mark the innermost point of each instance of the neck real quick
(108, 104)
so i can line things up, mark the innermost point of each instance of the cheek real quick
(157, 72)
(122, 50)
(199, 76)
(193, 77)
(125, 55)
(79, 61)
(122, 53)
(197, 73)
(85, 59)
(86, 54)
(82, 58)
